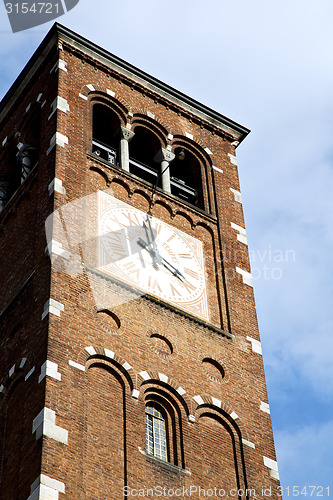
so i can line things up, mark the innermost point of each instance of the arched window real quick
(16, 164)
(185, 177)
(105, 140)
(9, 176)
(143, 150)
(156, 432)
(164, 431)
(19, 158)
(27, 158)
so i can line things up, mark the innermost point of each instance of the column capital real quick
(126, 133)
(164, 155)
(167, 155)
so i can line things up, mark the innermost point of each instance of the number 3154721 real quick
(311, 491)
(35, 8)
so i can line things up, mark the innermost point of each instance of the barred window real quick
(156, 433)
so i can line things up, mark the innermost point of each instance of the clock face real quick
(151, 255)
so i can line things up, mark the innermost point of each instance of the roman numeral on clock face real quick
(133, 219)
(191, 273)
(185, 255)
(132, 269)
(117, 249)
(113, 219)
(175, 292)
(123, 220)
(188, 286)
(153, 283)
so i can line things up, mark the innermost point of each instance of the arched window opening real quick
(185, 177)
(10, 176)
(156, 432)
(19, 158)
(27, 155)
(144, 159)
(105, 140)
(27, 159)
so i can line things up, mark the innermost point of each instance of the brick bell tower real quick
(130, 355)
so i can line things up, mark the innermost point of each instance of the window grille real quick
(156, 433)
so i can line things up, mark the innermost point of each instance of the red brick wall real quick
(93, 402)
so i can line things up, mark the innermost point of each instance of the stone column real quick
(125, 136)
(166, 157)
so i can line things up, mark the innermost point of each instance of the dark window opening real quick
(185, 177)
(15, 168)
(9, 177)
(27, 159)
(27, 152)
(105, 140)
(143, 149)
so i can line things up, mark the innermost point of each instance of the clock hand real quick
(146, 230)
(145, 245)
(150, 248)
(173, 269)
(152, 240)
(170, 267)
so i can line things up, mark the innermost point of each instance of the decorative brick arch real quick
(89, 92)
(99, 169)
(221, 361)
(144, 115)
(164, 204)
(131, 189)
(205, 401)
(103, 354)
(151, 124)
(196, 147)
(174, 211)
(144, 193)
(20, 368)
(154, 334)
(115, 179)
(208, 406)
(206, 226)
(158, 378)
(181, 213)
(86, 89)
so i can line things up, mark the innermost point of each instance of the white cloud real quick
(305, 456)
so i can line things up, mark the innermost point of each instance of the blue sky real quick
(267, 65)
